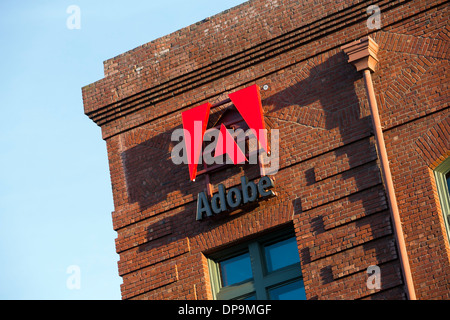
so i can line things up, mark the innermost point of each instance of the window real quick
(264, 269)
(442, 175)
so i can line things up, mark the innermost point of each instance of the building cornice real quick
(113, 97)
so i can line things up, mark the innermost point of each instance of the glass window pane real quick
(236, 269)
(291, 291)
(281, 254)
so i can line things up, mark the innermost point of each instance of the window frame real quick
(440, 173)
(262, 280)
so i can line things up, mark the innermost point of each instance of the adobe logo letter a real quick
(195, 121)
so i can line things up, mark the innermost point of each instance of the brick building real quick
(334, 214)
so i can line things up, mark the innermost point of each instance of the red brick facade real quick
(329, 184)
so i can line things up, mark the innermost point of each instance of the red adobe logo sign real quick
(248, 103)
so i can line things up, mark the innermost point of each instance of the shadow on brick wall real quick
(152, 178)
(351, 218)
(151, 175)
(352, 214)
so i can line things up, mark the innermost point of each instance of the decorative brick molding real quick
(434, 145)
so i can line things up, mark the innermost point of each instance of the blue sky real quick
(55, 191)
